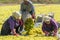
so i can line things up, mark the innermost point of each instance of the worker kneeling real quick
(12, 24)
(49, 26)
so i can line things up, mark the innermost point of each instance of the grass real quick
(6, 11)
(26, 38)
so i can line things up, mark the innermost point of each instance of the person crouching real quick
(49, 26)
(12, 24)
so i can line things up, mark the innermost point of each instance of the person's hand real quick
(54, 34)
(16, 34)
(33, 16)
(13, 32)
(46, 33)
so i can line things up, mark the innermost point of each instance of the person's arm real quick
(43, 28)
(55, 26)
(32, 12)
(11, 22)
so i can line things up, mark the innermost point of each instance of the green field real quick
(6, 11)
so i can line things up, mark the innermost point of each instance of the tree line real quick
(34, 1)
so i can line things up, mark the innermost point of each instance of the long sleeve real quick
(55, 25)
(43, 27)
(32, 9)
(32, 12)
(11, 22)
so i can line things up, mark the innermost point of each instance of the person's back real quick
(6, 27)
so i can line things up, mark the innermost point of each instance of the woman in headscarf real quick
(49, 26)
(26, 9)
(12, 24)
